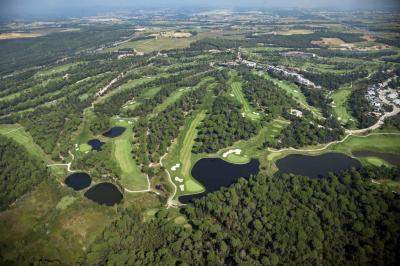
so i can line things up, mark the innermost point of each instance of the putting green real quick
(84, 147)
(238, 159)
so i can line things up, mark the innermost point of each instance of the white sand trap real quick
(126, 106)
(296, 91)
(77, 149)
(232, 95)
(121, 120)
(339, 118)
(255, 113)
(235, 151)
(87, 152)
(182, 187)
(176, 166)
(243, 115)
(129, 122)
(178, 179)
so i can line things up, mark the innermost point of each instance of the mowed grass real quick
(181, 152)
(340, 108)
(248, 110)
(237, 159)
(383, 143)
(19, 135)
(131, 176)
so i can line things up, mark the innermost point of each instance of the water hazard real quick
(214, 173)
(104, 193)
(315, 166)
(114, 132)
(78, 181)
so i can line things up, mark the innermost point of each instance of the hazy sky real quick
(11, 8)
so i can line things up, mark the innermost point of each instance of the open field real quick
(248, 110)
(340, 108)
(47, 231)
(131, 177)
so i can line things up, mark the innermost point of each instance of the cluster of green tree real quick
(333, 81)
(20, 172)
(381, 172)
(154, 136)
(39, 89)
(318, 99)
(392, 42)
(306, 130)
(51, 127)
(223, 126)
(148, 105)
(97, 163)
(50, 92)
(112, 105)
(361, 109)
(290, 220)
(265, 95)
(22, 53)
(392, 122)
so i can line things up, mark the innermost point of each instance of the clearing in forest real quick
(131, 176)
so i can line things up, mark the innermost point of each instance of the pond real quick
(96, 144)
(114, 132)
(315, 166)
(104, 193)
(389, 157)
(214, 173)
(78, 181)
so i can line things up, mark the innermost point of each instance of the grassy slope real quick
(237, 91)
(340, 104)
(131, 176)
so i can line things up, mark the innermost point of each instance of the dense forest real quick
(20, 171)
(223, 126)
(290, 220)
(361, 109)
(333, 81)
(265, 95)
(154, 136)
(306, 130)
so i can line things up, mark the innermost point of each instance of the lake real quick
(389, 157)
(104, 193)
(114, 132)
(214, 173)
(96, 144)
(315, 166)
(78, 181)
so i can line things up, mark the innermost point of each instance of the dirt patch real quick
(20, 35)
(368, 38)
(329, 42)
(292, 32)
